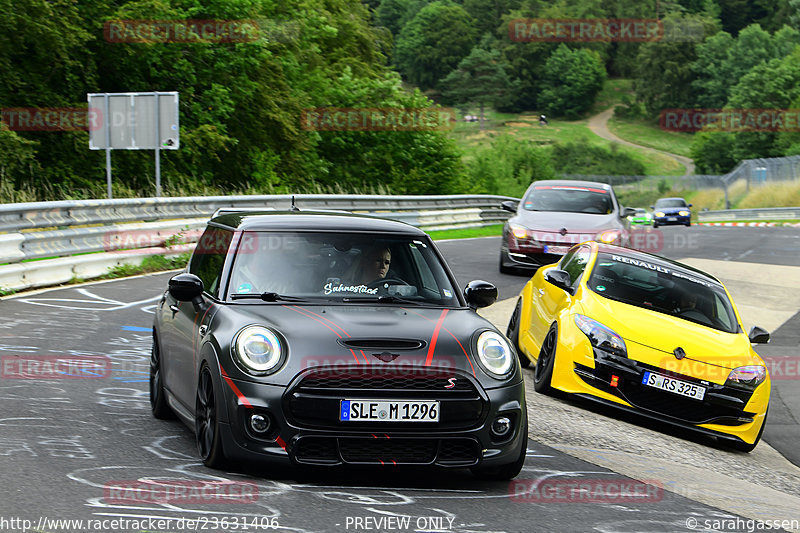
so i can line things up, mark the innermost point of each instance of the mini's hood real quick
(364, 336)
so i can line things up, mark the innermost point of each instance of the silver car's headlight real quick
(258, 349)
(494, 353)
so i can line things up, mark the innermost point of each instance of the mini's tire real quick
(158, 397)
(543, 372)
(206, 419)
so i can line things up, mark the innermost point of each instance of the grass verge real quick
(467, 233)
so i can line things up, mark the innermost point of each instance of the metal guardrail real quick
(774, 213)
(127, 230)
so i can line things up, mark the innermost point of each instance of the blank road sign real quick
(135, 121)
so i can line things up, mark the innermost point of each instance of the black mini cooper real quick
(323, 338)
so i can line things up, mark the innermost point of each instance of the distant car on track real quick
(641, 217)
(277, 345)
(556, 214)
(670, 211)
(647, 335)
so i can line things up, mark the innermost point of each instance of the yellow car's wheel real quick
(543, 374)
(512, 332)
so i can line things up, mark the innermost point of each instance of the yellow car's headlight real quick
(258, 349)
(660, 214)
(494, 353)
(601, 335)
(749, 377)
(683, 213)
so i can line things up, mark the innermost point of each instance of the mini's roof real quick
(333, 221)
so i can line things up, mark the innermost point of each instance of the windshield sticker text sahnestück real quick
(358, 289)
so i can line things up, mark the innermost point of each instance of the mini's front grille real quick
(411, 379)
(315, 400)
(386, 451)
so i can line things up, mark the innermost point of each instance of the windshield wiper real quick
(268, 297)
(389, 299)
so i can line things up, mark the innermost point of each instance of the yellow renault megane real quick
(645, 334)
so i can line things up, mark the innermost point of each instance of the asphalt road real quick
(66, 443)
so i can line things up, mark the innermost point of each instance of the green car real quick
(641, 217)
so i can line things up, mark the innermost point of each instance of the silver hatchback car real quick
(556, 214)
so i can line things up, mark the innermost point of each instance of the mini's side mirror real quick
(559, 278)
(480, 293)
(627, 212)
(510, 205)
(758, 335)
(185, 287)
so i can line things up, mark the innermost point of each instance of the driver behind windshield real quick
(373, 266)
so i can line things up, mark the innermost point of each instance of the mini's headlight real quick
(494, 353)
(683, 213)
(750, 376)
(659, 214)
(601, 336)
(520, 232)
(257, 348)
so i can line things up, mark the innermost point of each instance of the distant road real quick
(599, 126)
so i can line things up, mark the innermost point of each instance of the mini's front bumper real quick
(296, 440)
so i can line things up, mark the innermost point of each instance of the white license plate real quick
(675, 386)
(672, 219)
(561, 250)
(388, 411)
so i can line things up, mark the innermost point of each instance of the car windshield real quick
(640, 211)
(670, 202)
(343, 267)
(663, 288)
(569, 199)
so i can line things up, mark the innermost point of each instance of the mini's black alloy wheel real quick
(158, 398)
(209, 444)
(543, 373)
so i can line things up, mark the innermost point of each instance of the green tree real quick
(433, 43)
(572, 80)
(712, 152)
(508, 166)
(711, 85)
(390, 14)
(772, 85)
(480, 78)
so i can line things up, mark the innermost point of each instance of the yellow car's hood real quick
(652, 338)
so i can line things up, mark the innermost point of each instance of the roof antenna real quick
(294, 207)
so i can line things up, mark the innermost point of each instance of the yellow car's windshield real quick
(663, 287)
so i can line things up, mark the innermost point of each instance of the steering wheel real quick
(379, 283)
